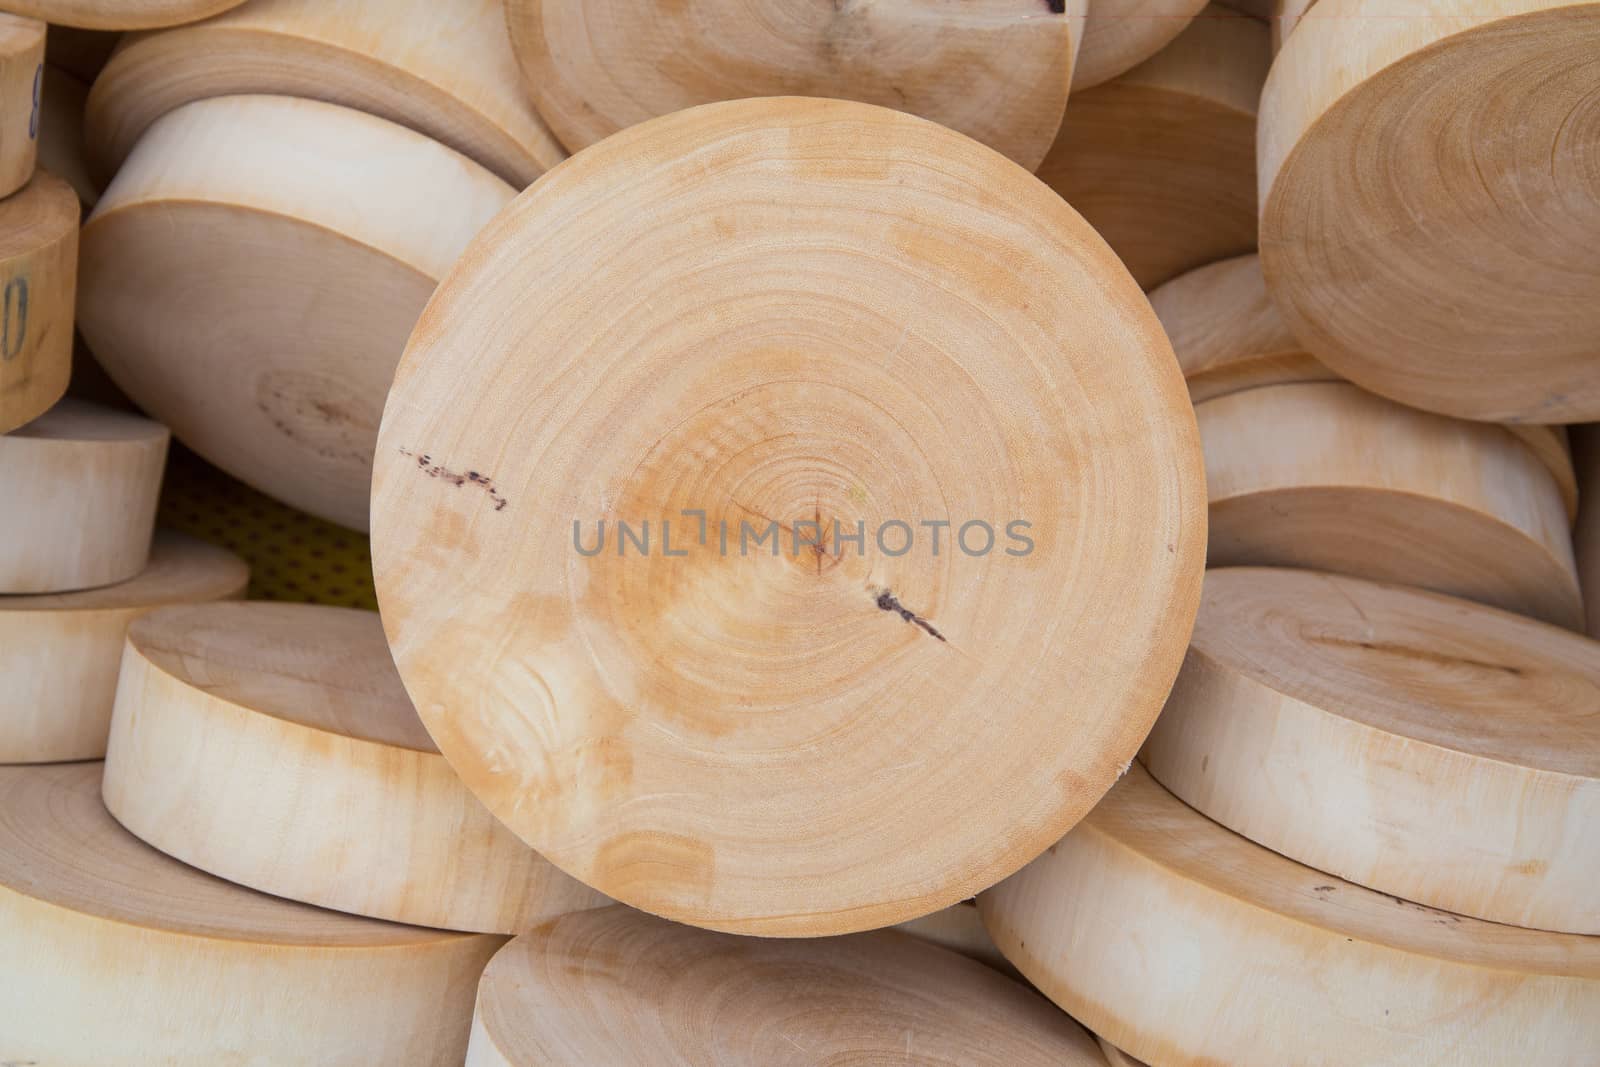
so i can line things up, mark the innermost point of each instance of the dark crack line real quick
(888, 602)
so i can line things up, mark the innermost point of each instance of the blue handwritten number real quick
(33, 119)
(14, 319)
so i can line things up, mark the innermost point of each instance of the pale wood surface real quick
(21, 60)
(38, 282)
(748, 741)
(121, 957)
(79, 487)
(239, 728)
(1420, 745)
(59, 652)
(120, 14)
(444, 69)
(997, 70)
(1327, 476)
(252, 274)
(1186, 945)
(1161, 160)
(1286, 16)
(1430, 184)
(1121, 34)
(61, 144)
(621, 988)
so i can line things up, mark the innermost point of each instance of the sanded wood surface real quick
(1184, 944)
(239, 728)
(21, 64)
(59, 653)
(621, 988)
(252, 274)
(744, 737)
(1430, 188)
(996, 70)
(79, 485)
(1161, 160)
(120, 14)
(444, 69)
(1326, 476)
(1420, 745)
(1121, 34)
(38, 282)
(120, 956)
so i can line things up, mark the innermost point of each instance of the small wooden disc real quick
(746, 739)
(239, 727)
(616, 987)
(443, 69)
(120, 14)
(59, 653)
(1121, 34)
(21, 68)
(1430, 179)
(80, 485)
(38, 283)
(1184, 944)
(252, 275)
(122, 957)
(1326, 476)
(1423, 746)
(1161, 160)
(996, 70)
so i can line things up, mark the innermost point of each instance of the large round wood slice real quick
(59, 653)
(443, 69)
(1186, 945)
(748, 735)
(240, 727)
(120, 14)
(1121, 34)
(616, 987)
(1430, 180)
(252, 275)
(1326, 476)
(21, 68)
(1161, 160)
(79, 486)
(996, 70)
(119, 956)
(38, 283)
(1423, 746)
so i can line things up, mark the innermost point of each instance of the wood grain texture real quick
(996, 70)
(38, 283)
(61, 143)
(238, 729)
(21, 65)
(59, 653)
(1422, 746)
(1430, 187)
(442, 69)
(1326, 476)
(252, 274)
(120, 14)
(621, 988)
(1186, 945)
(746, 738)
(1121, 34)
(120, 956)
(80, 485)
(1161, 160)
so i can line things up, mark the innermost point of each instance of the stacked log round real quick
(38, 284)
(21, 70)
(120, 14)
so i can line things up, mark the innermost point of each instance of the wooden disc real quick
(252, 275)
(746, 738)
(1286, 16)
(120, 14)
(996, 70)
(1161, 160)
(616, 987)
(239, 727)
(61, 144)
(21, 67)
(1184, 944)
(1430, 190)
(1420, 745)
(1121, 34)
(80, 485)
(443, 69)
(38, 283)
(59, 653)
(120, 956)
(1326, 476)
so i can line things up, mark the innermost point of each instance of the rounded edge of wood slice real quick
(1326, 476)
(1248, 958)
(1116, 1057)
(295, 242)
(60, 652)
(21, 69)
(1458, 274)
(239, 728)
(120, 14)
(38, 285)
(1419, 745)
(127, 957)
(787, 823)
(79, 486)
(1121, 34)
(618, 987)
